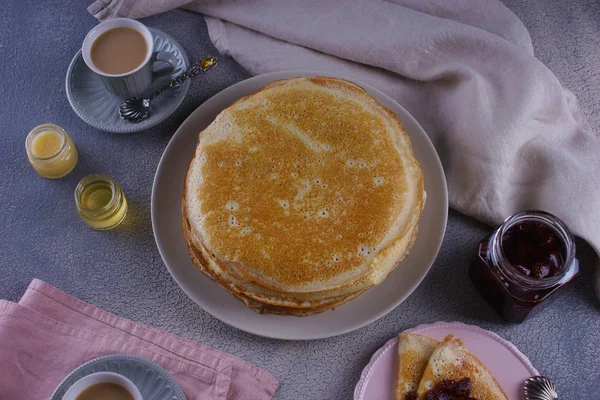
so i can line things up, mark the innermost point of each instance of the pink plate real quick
(508, 365)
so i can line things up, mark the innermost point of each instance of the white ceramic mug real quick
(131, 83)
(101, 377)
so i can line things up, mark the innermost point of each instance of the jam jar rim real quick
(553, 223)
(115, 198)
(39, 129)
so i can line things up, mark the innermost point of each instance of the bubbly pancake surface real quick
(303, 182)
(452, 360)
(414, 352)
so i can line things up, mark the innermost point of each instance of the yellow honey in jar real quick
(100, 202)
(47, 144)
(50, 151)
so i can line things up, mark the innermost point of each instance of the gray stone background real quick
(122, 272)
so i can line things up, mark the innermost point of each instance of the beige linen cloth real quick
(510, 137)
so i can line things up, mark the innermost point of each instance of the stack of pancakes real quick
(302, 196)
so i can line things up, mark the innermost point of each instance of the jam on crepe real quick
(446, 390)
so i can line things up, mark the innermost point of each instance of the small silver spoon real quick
(136, 109)
(539, 388)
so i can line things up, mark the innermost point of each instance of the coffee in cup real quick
(103, 386)
(120, 52)
(105, 391)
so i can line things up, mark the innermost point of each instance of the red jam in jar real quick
(526, 260)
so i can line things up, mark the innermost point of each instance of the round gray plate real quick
(166, 223)
(99, 108)
(153, 381)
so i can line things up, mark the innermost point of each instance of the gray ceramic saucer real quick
(99, 108)
(153, 381)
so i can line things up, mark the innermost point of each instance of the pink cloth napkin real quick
(49, 333)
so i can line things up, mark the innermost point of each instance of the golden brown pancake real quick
(413, 355)
(452, 360)
(302, 195)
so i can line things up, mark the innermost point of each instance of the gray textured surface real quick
(121, 271)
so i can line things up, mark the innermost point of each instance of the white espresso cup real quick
(134, 82)
(101, 377)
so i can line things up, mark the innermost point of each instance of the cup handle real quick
(168, 61)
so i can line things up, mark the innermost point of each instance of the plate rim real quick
(122, 356)
(135, 128)
(420, 329)
(273, 76)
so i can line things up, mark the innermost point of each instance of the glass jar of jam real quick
(524, 262)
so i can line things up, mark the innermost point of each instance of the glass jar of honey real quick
(100, 202)
(526, 260)
(50, 151)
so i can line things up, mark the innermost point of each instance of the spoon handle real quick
(202, 66)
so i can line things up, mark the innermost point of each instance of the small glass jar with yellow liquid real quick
(100, 202)
(50, 151)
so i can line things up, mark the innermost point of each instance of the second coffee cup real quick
(121, 52)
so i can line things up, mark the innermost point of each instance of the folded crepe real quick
(414, 352)
(452, 361)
